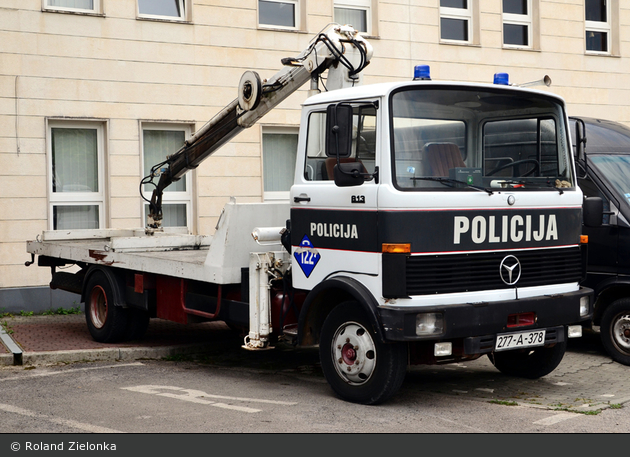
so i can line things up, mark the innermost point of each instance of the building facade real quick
(95, 92)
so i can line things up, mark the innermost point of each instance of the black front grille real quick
(440, 274)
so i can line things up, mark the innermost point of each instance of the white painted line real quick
(72, 370)
(485, 390)
(556, 418)
(560, 383)
(607, 395)
(67, 422)
(460, 391)
(198, 396)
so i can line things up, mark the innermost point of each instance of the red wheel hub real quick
(348, 354)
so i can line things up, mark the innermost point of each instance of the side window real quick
(75, 151)
(279, 149)
(318, 166)
(82, 6)
(159, 141)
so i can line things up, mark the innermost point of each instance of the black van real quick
(602, 150)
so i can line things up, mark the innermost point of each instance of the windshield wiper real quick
(523, 182)
(447, 181)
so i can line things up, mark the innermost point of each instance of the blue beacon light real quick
(502, 78)
(421, 73)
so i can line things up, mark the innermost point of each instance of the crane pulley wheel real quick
(249, 91)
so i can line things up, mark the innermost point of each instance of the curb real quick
(102, 355)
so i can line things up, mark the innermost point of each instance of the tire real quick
(137, 324)
(358, 367)
(107, 323)
(615, 330)
(529, 363)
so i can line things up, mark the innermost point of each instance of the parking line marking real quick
(67, 422)
(555, 419)
(72, 370)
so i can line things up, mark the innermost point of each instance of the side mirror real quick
(338, 130)
(350, 174)
(593, 211)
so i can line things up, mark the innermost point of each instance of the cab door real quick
(333, 228)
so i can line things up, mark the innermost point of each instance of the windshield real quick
(616, 169)
(467, 138)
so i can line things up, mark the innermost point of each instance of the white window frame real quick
(185, 7)
(461, 14)
(520, 19)
(98, 8)
(299, 20)
(599, 26)
(169, 196)
(77, 198)
(276, 195)
(364, 5)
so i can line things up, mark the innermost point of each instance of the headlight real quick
(429, 324)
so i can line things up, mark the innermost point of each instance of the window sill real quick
(79, 13)
(271, 28)
(460, 43)
(600, 54)
(519, 48)
(160, 19)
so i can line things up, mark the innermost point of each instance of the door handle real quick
(301, 199)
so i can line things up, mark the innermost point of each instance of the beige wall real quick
(122, 70)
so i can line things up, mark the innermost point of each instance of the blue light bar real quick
(502, 78)
(421, 72)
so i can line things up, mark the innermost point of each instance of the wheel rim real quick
(354, 353)
(621, 332)
(98, 307)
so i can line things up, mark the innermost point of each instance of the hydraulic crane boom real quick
(340, 50)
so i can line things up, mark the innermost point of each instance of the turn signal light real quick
(397, 248)
(583, 239)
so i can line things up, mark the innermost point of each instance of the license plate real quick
(520, 340)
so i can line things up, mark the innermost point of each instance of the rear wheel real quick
(359, 367)
(529, 363)
(615, 330)
(107, 323)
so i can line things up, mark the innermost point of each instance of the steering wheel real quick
(514, 164)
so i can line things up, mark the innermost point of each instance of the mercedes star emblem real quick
(510, 270)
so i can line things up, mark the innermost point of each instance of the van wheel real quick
(615, 330)
(529, 363)
(107, 323)
(358, 367)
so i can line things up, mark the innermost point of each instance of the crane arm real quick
(340, 50)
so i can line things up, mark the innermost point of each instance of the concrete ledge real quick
(6, 359)
(103, 355)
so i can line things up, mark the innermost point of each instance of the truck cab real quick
(603, 169)
(447, 216)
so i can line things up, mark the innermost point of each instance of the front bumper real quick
(486, 319)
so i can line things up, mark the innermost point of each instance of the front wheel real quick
(529, 363)
(615, 330)
(359, 367)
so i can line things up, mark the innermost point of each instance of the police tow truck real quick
(429, 222)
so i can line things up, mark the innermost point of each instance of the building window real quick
(517, 23)
(597, 14)
(356, 13)
(163, 9)
(83, 6)
(159, 141)
(279, 149)
(76, 175)
(456, 20)
(282, 14)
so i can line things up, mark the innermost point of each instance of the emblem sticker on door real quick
(306, 256)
